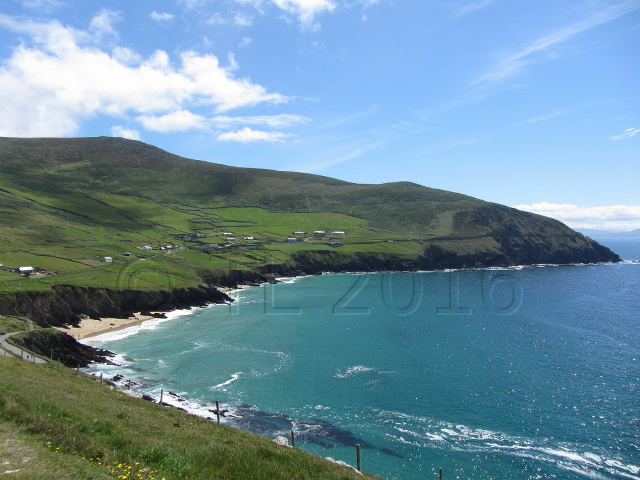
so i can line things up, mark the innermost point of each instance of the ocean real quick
(519, 373)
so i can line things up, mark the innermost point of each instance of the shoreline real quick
(91, 328)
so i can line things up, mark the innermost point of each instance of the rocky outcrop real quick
(60, 346)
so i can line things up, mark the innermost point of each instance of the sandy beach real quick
(91, 328)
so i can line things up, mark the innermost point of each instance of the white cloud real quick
(102, 24)
(628, 133)
(514, 63)
(247, 135)
(305, 10)
(178, 121)
(613, 217)
(161, 17)
(120, 131)
(48, 88)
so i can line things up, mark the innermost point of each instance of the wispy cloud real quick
(161, 17)
(544, 118)
(515, 62)
(613, 217)
(247, 135)
(471, 7)
(628, 133)
(284, 120)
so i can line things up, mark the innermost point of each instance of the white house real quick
(23, 270)
(319, 232)
(338, 232)
(107, 259)
(298, 233)
(226, 234)
(249, 238)
(292, 240)
(146, 248)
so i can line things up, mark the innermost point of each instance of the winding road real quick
(7, 349)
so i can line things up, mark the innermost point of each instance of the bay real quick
(512, 373)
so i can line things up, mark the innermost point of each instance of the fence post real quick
(100, 379)
(51, 359)
(293, 439)
(129, 388)
(440, 473)
(358, 456)
(58, 363)
(22, 354)
(218, 410)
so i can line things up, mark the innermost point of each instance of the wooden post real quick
(100, 379)
(51, 359)
(22, 354)
(161, 395)
(441, 473)
(58, 363)
(34, 359)
(218, 410)
(293, 439)
(358, 456)
(129, 388)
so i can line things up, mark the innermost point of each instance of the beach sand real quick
(91, 328)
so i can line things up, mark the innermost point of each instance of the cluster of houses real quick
(317, 233)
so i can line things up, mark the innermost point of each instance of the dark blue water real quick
(518, 373)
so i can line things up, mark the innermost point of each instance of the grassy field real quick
(55, 424)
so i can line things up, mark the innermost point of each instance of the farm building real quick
(292, 240)
(23, 270)
(107, 259)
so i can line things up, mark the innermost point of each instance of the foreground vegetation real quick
(55, 424)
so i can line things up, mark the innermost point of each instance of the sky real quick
(533, 104)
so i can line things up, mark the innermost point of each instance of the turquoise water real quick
(516, 373)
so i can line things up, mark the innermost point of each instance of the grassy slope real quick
(66, 203)
(55, 424)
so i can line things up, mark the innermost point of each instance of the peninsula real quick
(106, 227)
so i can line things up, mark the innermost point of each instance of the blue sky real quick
(534, 104)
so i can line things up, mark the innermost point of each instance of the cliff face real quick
(63, 304)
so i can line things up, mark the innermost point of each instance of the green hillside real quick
(56, 424)
(66, 204)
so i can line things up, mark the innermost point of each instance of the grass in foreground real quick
(66, 426)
